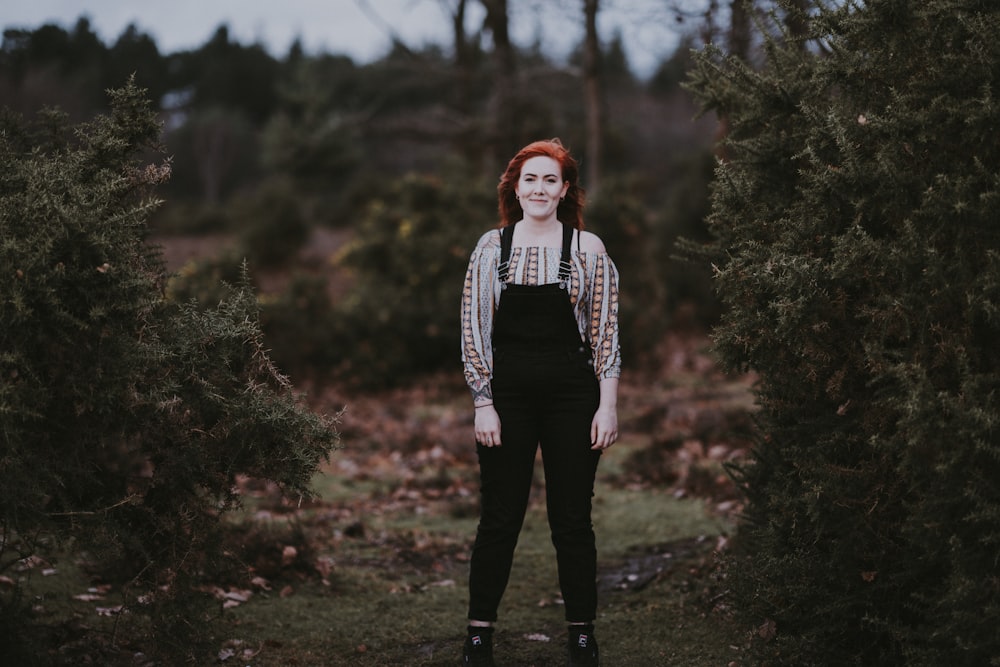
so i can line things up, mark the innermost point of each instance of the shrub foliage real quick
(408, 260)
(861, 280)
(125, 418)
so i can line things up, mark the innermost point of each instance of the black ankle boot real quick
(478, 648)
(582, 646)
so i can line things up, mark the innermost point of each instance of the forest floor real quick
(373, 570)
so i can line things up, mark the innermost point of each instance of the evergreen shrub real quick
(407, 263)
(619, 218)
(271, 224)
(126, 419)
(859, 268)
(298, 325)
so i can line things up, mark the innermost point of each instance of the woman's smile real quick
(540, 187)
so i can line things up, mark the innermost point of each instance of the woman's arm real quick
(477, 327)
(603, 335)
(602, 318)
(477, 320)
(604, 426)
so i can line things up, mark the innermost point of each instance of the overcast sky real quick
(358, 28)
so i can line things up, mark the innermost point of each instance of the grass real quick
(397, 595)
(381, 557)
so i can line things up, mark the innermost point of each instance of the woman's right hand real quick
(487, 426)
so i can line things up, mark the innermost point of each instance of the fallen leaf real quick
(767, 630)
(237, 595)
(324, 566)
(288, 555)
(109, 611)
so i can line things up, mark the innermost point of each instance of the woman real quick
(541, 355)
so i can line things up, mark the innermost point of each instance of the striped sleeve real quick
(478, 306)
(603, 331)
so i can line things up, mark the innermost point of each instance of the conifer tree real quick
(859, 265)
(125, 419)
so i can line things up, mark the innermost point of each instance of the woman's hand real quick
(487, 426)
(604, 428)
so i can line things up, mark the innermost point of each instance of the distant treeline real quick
(234, 112)
(267, 149)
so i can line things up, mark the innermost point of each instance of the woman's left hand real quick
(604, 428)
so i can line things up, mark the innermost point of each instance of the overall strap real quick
(506, 241)
(564, 261)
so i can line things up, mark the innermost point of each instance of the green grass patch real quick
(374, 572)
(397, 594)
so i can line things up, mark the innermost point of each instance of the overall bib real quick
(546, 393)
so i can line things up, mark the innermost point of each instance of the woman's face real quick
(540, 187)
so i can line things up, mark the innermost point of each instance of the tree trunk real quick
(738, 40)
(739, 29)
(504, 135)
(463, 57)
(594, 97)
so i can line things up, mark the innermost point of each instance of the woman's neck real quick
(537, 226)
(539, 232)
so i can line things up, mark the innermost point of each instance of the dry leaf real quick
(109, 611)
(767, 630)
(288, 555)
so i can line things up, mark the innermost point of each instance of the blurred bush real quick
(299, 326)
(407, 263)
(270, 224)
(624, 224)
(659, 290)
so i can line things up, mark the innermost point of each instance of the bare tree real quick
(379, 21)
(504, 135)
(593, 96)
(456, 11)
(739, 28)
(216, 146)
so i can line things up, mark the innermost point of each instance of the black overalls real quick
(546, 393)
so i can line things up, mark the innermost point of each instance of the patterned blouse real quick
(593, 293)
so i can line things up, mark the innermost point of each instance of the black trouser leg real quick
(505, 474)
(553, 407)
(570, 470)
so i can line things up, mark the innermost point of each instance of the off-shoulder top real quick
(593, 293)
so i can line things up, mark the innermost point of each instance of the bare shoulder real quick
(590, 242)
(490, 239)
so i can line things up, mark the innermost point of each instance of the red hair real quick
(570, 210)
